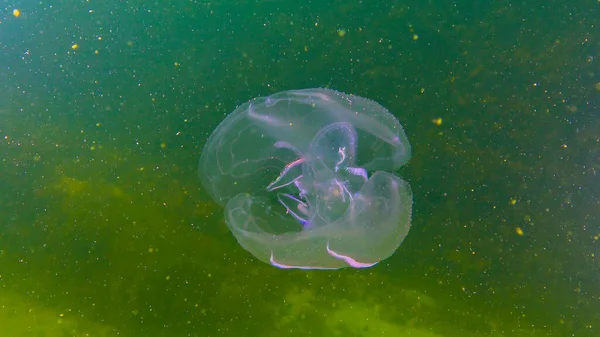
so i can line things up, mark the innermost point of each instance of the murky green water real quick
(105, 229)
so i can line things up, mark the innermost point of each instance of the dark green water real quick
(105, 229)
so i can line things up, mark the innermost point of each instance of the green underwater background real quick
(106, 230)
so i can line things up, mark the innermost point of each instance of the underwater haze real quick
(107, 230)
